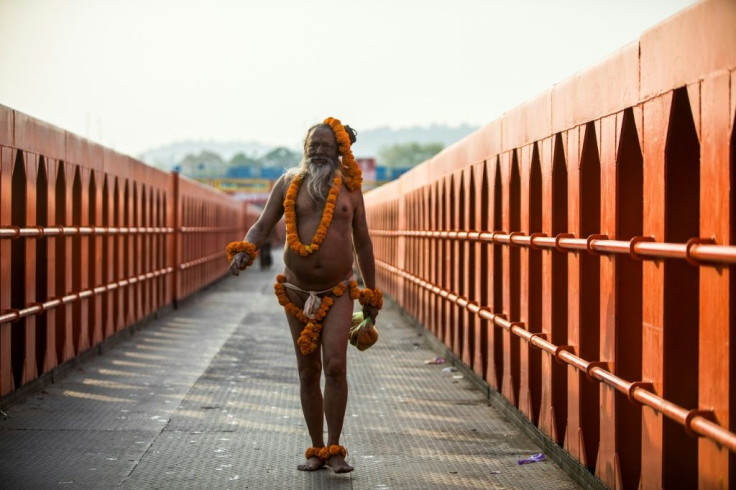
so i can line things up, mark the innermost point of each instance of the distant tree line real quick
(207, 164)
(391, 162)
(394, 160)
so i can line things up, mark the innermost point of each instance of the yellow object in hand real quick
(363, 333)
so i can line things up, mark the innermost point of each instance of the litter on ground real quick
(436, 360)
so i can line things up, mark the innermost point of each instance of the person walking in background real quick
(265, 258)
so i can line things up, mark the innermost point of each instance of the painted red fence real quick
(92, 241)
(578, 254)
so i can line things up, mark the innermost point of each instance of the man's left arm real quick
(364, 251)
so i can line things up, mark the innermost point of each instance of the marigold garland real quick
(326, 453)
(234, 248)
(354, 290)
(312, 451)
(292, 236)
(371, 297)
(308, 341)
(350, 169)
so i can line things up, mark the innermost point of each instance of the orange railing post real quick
(716, 314)
(6, 172)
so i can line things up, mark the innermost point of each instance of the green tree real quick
(240, 161)
(280, 158)
(206, 164)
(406, 155)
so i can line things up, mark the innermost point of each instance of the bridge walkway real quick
(206, 396)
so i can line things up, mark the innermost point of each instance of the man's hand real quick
(370, 311)
(238, 263)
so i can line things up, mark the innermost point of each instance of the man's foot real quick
(338, 464)
(312, 464)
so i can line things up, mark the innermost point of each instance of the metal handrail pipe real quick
(661, 250)
(611, 246)
(706, 252)
(200, 261)
(544, 345)
(665, 407)
(573, 243)
(610, 379)
(473, 307)
(577, 362)
(522, 333)
(12, 315)
(208, 229)
(486, 314)
(502, 322)
(545, 242)
(504, 238)
(722, 254)
(12, 232)
(522, 240)
(704, 427)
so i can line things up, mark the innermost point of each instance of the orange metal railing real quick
(578, 254)
(92, 241)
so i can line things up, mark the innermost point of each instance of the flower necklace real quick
(292, 236)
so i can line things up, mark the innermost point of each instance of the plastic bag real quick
(536, 458)
(363, 333)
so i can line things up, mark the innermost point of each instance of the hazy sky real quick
(138, 74)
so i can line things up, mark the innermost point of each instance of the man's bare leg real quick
(334, 349)
(310, 369)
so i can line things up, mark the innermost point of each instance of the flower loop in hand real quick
(234, 248)
(371, 297)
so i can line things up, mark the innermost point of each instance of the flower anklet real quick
(325, 452)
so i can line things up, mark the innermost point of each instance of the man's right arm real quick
(259, 233)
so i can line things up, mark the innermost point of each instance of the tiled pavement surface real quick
(207, 397)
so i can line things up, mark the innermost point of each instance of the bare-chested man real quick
(326, 226)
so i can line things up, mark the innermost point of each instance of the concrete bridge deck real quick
(206, 396)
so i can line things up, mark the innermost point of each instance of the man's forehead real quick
(322, 133)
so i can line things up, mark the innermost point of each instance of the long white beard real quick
(318, 178)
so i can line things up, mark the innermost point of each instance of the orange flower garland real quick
(237, 247)
(312, 451)
(292, 236)
(371, 297)
(350, 169)
(326, 452)
(308, 341)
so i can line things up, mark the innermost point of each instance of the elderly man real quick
(325, 225)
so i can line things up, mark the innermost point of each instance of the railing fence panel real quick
(580, 256)
(92, 242)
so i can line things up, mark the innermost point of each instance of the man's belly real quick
(320, 270)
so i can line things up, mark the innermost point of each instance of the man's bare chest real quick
(310, 213)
